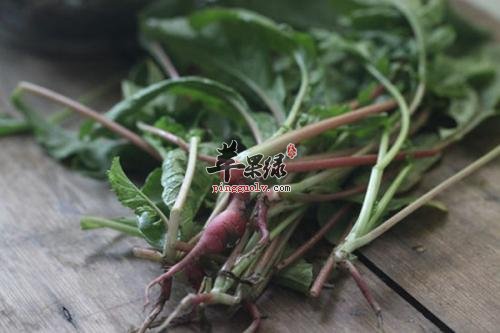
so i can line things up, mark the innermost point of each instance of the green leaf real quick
(93, 156)
(298, 276)
(144, 74)
(10, 126)
(325, 212)
(302, 14)
(279, 37)
(218, 97)
(152, 229)
(152, 187)
(267, 124)
(211, 39)
(471, 86)
(151, 220)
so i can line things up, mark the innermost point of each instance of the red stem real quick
(365, 289)
(256, 316)
(267, 256)
(164, 60)
(323, 275)
(92, 114)
(350, 161)
(277, 144)
(338, 153)
(299, 252)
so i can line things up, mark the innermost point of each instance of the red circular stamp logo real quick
(291, 151)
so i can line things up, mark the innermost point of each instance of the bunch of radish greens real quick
(370, 92)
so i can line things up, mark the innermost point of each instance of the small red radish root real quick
(160, 303)
(194, 274)
(256, 317)
(229, 224)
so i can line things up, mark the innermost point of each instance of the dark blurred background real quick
(70, 26)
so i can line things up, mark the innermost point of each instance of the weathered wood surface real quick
(451, 263)
(50, 268)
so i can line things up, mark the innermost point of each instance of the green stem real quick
(148, 254)
(11, 126)
(422, 59)
(386, 198)
(285, 223)
(405, 116)
(246, 260)
(92, 222)
(174, 139)
(176, 212)
(361, 241)
(197, 299)
(385, 157)
(371, 191)
(304, 84)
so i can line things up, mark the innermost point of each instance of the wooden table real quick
(431, 273)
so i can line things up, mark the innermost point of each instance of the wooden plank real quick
(450, 263)
(58, 278)
(50, 265)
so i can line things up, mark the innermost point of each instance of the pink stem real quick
(338, 153)
(267, 256)
(277, 144)
(164, 60)
(350, 161)
(256, 316)
(365, 290)
(92, 114)
(323, 275)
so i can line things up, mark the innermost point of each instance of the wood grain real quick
(50, 265)
(451, 263)
(57, 278)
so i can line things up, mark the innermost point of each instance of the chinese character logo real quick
(257, 166)
(253, 168)
(225, 160)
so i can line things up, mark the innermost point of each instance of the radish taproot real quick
(228, 225)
